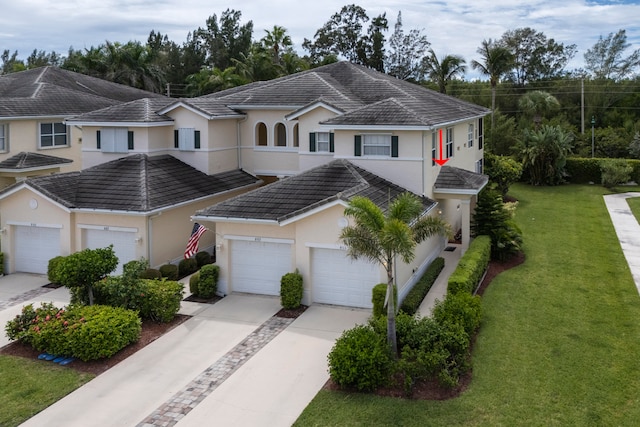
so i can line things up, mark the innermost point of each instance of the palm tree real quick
(382, 236)
(443, 71)
(277, 40)
(497, 60)
(537, 104)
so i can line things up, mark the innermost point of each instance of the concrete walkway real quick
(627, 229)
(439, 289)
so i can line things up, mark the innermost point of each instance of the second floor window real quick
(449, 143)
(186, 139)
(470, 135)
(321, 142)
(114, 140)
(53, 134)
(4, 137)
(376, 145)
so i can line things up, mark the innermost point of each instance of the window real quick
(376, 145)
(261, 135)
(114, 140)
(4, 137)
(321, 142)
(53, 135)
(281, 135)
(296, 136)
(480, 166)
(449, 143)
(470, 135)
(480, 136)
(434, 148)
(186, 139)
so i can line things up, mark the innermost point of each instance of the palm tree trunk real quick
(391, 312)
(493, 103)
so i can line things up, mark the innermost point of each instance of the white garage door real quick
(338, 279)
(34, 247)
(257, 267)
(123, 242)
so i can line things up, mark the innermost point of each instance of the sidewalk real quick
(627, 229)
(439, 288)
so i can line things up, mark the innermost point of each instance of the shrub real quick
(502, 170)
(52, 269)
(583, 170)
(135, 268)
(378, 295)
(615, 172)
(360, 359)
(460, 308)
(471, 266)
(187, 266)
(193, 283)
(85, 332)
(203, 258)
(416, 295)
(291, 290)
(159, 300)
(208, 283)
(170, 271)
(150, 273)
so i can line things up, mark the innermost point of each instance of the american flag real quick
(192, 245)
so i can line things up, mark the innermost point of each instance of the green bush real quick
(378, 295)
(615, 172)
(187, 266)
(582, 170)
(471, 266)
(170, 271)
(203, 258)
(193, 283)
(291, 290)
(360, 359)
(460, 308)
(135, 268)
(502, 170)
(208, 283)
(491, 218)
(416, 295)
(150, 273)
(85, 332)
(159, 300)
(52, 269)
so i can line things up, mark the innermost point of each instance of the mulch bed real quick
(431, 390)
(212, 300)
(292, 313)
(151, 331)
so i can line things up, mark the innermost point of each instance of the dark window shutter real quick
(98, 139)
(196, 138)
(130, 140)
(176, 141)
(394, 146)
(331, 143)
(312, 142)
(480, 133)
(357, 143)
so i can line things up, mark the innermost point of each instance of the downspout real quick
(424, 188)
(239, 140)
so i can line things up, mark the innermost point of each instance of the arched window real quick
(261, 135)
(281, 135)
(296, 136)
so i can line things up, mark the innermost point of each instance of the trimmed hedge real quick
(471, 266)
(208, 283)
(462, 308)
(378, 295)
(193, 283)
(86, 332)
(291, 290)
(203, 258)
(584, 170)
(170, 271)
(416, 295)
(150, 273)
(187, 266)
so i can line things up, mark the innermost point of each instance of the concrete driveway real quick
(232, 362)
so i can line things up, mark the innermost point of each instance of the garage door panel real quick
(257, 267)
(123, 244)
(34, 247)
(338, 279)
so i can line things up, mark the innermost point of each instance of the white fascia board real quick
(8, 118)
(391, 128)
(198, 111)
(314, 211)
(234, 220)
(455, 191)
(121, 124)
(263, 107)
(311, 107)
(33, 169)
(23, 185)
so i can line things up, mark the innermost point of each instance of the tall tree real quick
(406, 51)
(371, 47)
(442, 71)
(607, 60)
(537, 104)
(277, 41)
(535, 57)
(226, 39)
(340, 36)
(10, 62)
(382, 236)
(496, 62)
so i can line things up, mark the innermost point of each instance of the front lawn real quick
(29, 386)
(634, 204)
(560, 339)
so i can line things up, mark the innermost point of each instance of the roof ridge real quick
(144, 187)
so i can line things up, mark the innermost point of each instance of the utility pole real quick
(582, 104)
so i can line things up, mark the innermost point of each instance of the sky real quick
(451, 26)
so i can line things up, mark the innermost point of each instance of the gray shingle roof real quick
(290, 197)
(141, 110)
(138, 183)
(52, 91)
(26, 160)
(452, 178)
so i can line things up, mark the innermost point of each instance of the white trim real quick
(117, 124)
(311, 107)
(23, 185)
(386, 158)
(314, 211)
(273, 172)
(33, 169)
(34, 224)
(263, 107)
(197, 110)
(258, 239)
(278, 149)
(467, 192)
(326, 246)
(107, 228)
(402, 127)
(234, 220)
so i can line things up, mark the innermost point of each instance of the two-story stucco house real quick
(316, 138)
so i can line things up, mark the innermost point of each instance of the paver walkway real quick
(627, 229)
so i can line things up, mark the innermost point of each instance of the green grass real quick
(29, 386)
(634, 204)
(560, 339)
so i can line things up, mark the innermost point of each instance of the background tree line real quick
(225, 53)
